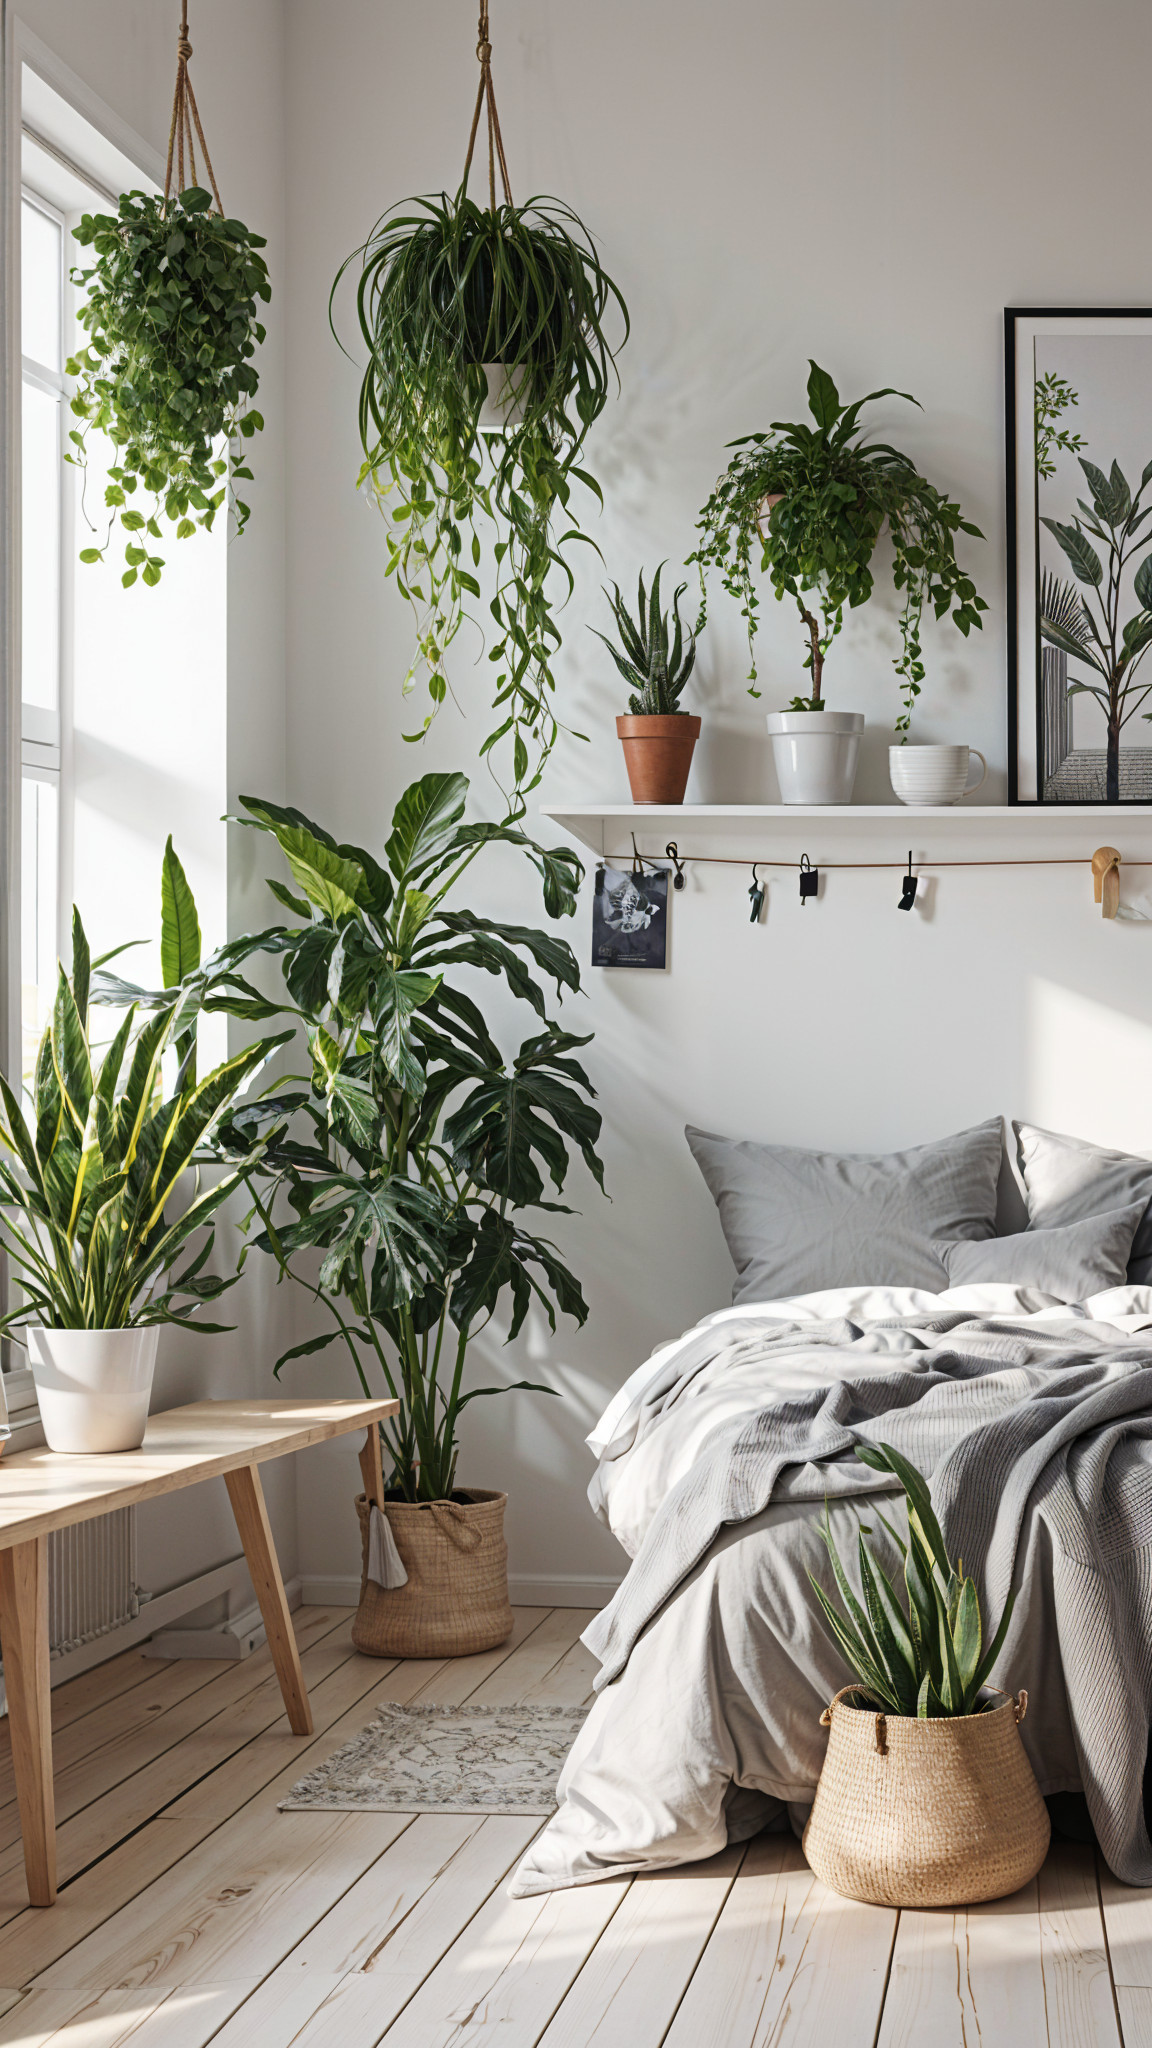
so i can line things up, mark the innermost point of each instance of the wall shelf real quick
(879, 831)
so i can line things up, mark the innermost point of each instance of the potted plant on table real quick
(92, 1214)
(410, 1163)
(657, 736)
(816, 499)
(926, 1797)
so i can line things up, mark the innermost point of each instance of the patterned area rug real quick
(446, 1760)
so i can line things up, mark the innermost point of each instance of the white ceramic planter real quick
(93, 1386)
(933, 775)
(501, 408)
(816, 754)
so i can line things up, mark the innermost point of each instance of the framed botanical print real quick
(1079, 428)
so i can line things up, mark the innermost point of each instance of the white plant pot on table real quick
(93, 1386)
(816, 754)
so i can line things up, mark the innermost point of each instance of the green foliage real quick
(167, 371)
(1053, 396)
(1086, 624)
(655, 673)
(87, 1186)
(926, 1657)
(407, 1160)
(442, 291)
(817, 498)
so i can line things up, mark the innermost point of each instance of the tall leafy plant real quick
(814, 500)
(927, 1656)
(1087, 625)
(413, 1159)
(93, 1214)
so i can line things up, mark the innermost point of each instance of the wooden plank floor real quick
(192, 1911)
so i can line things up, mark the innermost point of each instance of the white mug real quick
(933, 775)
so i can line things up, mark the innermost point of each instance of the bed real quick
(1030, 1408)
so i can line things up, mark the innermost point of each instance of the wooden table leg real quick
(247, 1497)
(24, 1643)
(372, 1465)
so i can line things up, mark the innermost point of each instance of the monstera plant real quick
(416, 1156)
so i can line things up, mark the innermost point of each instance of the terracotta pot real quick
(658, 755)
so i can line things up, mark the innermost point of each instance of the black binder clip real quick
(809, 879)
(756, 895)
(673, 855)
(907, 887)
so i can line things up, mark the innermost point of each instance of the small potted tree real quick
(657, 736)
(926, 1797)
(816, 500)
(408, 1164)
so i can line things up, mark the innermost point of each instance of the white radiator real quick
(91, 1579)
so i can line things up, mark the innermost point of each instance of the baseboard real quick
(232, 1639)
(555, 1589)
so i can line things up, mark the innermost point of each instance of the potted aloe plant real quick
(815, 500)
(93, 1214)
(657, 736)
(926, 1797)
(411, 1164)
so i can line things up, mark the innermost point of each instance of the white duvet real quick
(711, 1731)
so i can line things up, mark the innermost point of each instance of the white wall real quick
(159, 748)
(866, 185)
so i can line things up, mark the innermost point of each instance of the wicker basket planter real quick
(456, 1600)
(926, 1813)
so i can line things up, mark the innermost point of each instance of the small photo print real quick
(630, 918)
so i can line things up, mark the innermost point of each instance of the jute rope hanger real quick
(486, 93)
(184, 113)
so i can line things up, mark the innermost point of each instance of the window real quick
(42, 256)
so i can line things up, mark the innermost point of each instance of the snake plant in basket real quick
(927, 1797)
(100, 1193)
(489, 358)
(657, 736)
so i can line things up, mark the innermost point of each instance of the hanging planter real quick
(167, 372)
(488, 362)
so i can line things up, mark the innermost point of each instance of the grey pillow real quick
(1072, 1261)
(797, 1221)
(1066, 1179)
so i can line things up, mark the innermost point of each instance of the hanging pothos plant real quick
(167, 372)
(489, 359)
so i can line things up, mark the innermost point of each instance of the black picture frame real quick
(630, 918)
(1030, 744)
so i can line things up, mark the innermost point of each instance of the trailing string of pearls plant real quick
(488, 361)
(167, 373)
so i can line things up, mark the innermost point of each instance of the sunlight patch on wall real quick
(1088, 1068)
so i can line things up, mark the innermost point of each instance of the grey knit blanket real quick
(1038, 1447)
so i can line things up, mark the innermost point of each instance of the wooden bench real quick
(44, 1490)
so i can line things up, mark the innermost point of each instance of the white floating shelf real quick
(1019, 831)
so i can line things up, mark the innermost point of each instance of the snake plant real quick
(88, 1182)
(656, 672)
(928, 1661)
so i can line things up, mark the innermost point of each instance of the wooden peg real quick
(1106, 878)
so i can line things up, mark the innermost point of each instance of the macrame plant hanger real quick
(486, 93)
(185, 112)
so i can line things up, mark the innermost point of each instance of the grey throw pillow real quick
(1072, 1261)
(798, 1221)
(1066, 1179)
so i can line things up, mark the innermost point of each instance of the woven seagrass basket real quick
(926, 1813)
(456, 1599)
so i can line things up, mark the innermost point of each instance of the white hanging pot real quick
(816, 754)
(502, 407)
(93, 1386)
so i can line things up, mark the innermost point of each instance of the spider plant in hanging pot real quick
(171, 310)
(658, 738)
(491, 349)
(815, 499)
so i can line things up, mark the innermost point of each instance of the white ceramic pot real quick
(502, 407)
(816, 754)
(93, 1386)
(933, 775)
